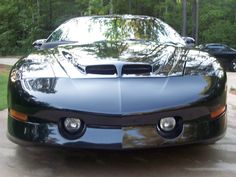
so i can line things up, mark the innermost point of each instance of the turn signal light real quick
(220, 110)
(18, 115)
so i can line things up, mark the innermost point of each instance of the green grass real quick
(232, 89)
(3, 89)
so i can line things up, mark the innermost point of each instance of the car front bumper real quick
(128, 137)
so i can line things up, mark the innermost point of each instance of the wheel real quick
(233, 65)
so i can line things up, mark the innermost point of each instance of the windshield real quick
(85, 30)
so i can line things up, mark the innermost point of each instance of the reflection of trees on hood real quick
(111, 49)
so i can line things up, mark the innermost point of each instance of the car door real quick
(229, 53)
(219, 51)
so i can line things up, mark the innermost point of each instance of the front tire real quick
(233, 65)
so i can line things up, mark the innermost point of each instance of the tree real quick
(184, 14)
(22, 22)
(195, 18)
(111, 7)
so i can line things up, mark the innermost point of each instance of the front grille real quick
(137, 69)
(101, 69)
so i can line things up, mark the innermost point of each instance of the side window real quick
(60, 34)
(220, 48)
(215, 48)
(210, 48)
(226, 48)
(55, 36)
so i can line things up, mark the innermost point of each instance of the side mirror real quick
(38, 43)
(189, 41)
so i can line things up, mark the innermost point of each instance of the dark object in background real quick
(116, 82)
(225, 54)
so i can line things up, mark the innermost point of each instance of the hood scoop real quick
(126, 69)
(136, 69)
(101, 69)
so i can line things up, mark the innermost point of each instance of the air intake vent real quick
(137, 69)
(101, 69)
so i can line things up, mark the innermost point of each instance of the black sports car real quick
(116, 82)
(225, 54)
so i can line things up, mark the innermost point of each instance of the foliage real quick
(218, 21)
(22, 22)
(3, 88)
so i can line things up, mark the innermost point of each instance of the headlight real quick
(45, 85)
(204, 66)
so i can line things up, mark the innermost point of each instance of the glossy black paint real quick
(129, 137)
(119, 88)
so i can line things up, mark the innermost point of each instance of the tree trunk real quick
(32, 13)
(194, 13)
(195, 17)
(130, 6)
(38, 10)
(166, 7)
(89, 8)
(38, 7)
(197, 21)
(235, 18)
(184, 13)
(111, 7)
(50, 14)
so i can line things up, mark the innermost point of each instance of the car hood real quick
(139, 58)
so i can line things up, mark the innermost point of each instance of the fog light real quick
(72, 125)
(167, 124)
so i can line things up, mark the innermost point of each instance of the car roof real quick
(125, 16)
(214, 44)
